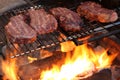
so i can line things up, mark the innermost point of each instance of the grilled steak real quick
(41, 21)
(68, 20)
(18, 31)
(95, 12)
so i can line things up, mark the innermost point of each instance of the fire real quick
(79, 63)
(30, 59)
(67, 46)
(9, 70)
(9, 66)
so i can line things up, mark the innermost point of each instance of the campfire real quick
(70, 63)
(79, 63)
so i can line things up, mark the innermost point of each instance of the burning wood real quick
(10, 70)
(26, 72)
(73, 63)
(84, 62)
(112, 45)
(104, 74)
(81, 62)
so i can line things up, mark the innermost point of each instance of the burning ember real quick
(80, 63)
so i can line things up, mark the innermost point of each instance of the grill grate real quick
(56, 37)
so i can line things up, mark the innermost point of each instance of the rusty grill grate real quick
(56, 37)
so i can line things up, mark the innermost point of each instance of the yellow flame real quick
(9, 70)
(83, 63)
(31, 59)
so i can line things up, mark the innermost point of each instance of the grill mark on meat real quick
(69, 20)
(18, 31)
(42, 22)
(13, 28)
(17, 22)
(61, 10)
(95, 12)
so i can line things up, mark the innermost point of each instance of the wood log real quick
(33, 70)
(113, 46)
(115, 72)
(104, 74)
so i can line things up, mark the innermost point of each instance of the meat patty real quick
(18, 31)
(95, 12)
(42, 22)
(68, 20)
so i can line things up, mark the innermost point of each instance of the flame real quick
(9, 70)
(45, 53)
(31, 59)
(83, 63)
(9, 66)
(67, 46)
(61, 36)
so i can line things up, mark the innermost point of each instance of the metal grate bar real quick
(56, 37)
(99, 37)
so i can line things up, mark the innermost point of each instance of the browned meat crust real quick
(95, 12)
(18, 31)
(42, 22)
(68, 20)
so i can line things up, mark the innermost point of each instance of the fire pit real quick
(61, 55)
(91, 62)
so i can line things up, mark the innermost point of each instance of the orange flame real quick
(67, 46)
(83, 63)
(9, 66)
(9, 70)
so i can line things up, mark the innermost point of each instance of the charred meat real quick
(18, 31)
(41, 21)
(68, 20)
(95, 12)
